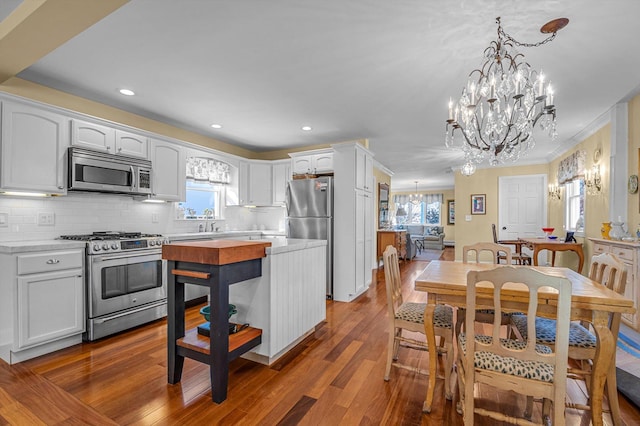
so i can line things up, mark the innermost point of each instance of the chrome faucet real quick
(213, 222)
(201, 227)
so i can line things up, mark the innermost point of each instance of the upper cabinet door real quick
(281, 173)
(323, 162)
(169, 174)
(131, 144)
(302, 165)
(97, 137)
(34, 143)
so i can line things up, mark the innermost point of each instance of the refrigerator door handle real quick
(287, 197)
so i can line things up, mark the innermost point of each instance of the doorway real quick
(522, 207)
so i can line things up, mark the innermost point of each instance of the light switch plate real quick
(467, 218)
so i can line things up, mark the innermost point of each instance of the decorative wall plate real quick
(633, 184)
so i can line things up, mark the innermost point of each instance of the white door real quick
(523, 206)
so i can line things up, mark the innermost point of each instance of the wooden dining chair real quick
(409, 316)
(608, 270)
(496, 250)
(524, 367)
(517, 256)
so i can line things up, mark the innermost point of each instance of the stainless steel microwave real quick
(101, 172)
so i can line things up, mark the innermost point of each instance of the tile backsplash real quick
(28, 219)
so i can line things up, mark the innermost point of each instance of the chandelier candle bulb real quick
(450, 109)
(541, 84)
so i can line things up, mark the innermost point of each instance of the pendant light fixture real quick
(416, 198)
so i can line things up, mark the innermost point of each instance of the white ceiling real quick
(376, 69)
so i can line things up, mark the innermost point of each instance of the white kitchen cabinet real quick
(281, 174)
(353, 226)
(131, 144)
(34, 143)
(364, 170)
(101, 137)
(169, 174)
(629, 254)
(312, 162)
(255, 183)
(49, 310)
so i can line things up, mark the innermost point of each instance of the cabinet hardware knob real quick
(60, 187)
(108, 148)
(52, 261)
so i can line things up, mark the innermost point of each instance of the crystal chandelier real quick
(502, 102)
(468, 169)
(416, 198)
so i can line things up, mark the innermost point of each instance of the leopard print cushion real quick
(546, 332)
(507, 365)
(414, 312)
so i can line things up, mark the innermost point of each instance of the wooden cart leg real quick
(175, 326)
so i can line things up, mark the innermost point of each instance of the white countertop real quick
(284, 245)
(220, 235)
(10, 247)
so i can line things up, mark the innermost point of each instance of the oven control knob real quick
(105, 246)
(114, 246)
(96, 247)
(159, 242)
(152, 243)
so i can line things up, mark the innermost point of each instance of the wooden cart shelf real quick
(197, 342)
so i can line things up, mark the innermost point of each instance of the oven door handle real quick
(128, 256)
(129, 312)
(133, 178)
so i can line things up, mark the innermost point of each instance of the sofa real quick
(429, 237)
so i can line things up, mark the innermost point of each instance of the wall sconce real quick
(555, 192)
(593, 180)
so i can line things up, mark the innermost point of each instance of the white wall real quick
(81, 213)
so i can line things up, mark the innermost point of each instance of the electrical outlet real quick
(46, 219)
(154, 218)
(4, 220)
(467, 218)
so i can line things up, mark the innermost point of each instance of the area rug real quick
(429, 254)
(629, 386)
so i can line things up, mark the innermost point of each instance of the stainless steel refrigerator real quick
(310, 215)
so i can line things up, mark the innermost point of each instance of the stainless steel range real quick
(125, 279)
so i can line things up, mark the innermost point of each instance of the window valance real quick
(425, 198)
(208, 170)
(572, 167)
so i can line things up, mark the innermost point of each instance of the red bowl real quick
(548, 230)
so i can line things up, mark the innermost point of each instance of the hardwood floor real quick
(334, 377)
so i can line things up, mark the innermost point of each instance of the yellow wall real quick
(633, 212)
(483, 181)
(596, 206)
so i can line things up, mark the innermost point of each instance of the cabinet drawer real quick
(623, 252)
(50, 261)
(600, 248)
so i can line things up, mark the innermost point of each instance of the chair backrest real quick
(392, 280)
(608, 270)
(491, 295)
(493, 248)
(495, 233)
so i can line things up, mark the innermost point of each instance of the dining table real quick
(445, 282)
(553, 245)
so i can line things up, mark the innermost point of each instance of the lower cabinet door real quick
(50, 306)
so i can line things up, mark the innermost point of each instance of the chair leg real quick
(448, 366)
(612, 396)
(391, 350)
(528, 411)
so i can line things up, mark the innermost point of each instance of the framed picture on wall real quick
(451, 212)
(478, 204)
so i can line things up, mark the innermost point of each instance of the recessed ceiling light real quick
(127, 92)
(217, 126)
(306, 128)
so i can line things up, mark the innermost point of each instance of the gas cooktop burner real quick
(109, 235)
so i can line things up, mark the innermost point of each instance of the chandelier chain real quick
(501, 33)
